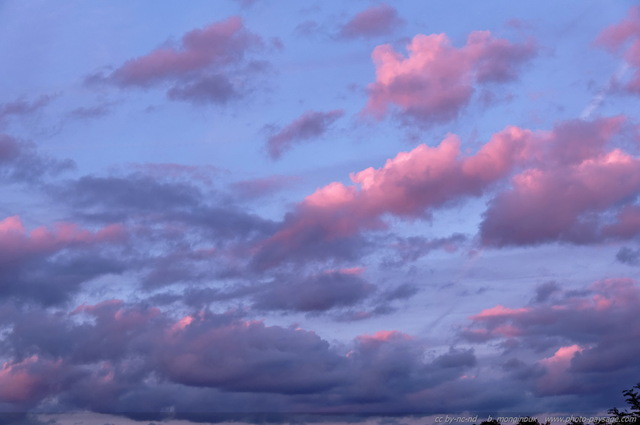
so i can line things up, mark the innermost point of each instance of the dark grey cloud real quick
(314, 293)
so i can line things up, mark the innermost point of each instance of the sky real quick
(261, 210)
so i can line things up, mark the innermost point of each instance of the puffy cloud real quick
(408, 186)
(309, 125)
(208, 65)
(436, 80)
(47, 265)
(135, 359)
(625, 35)
(374, 21)
(576, 191)
(582, 339)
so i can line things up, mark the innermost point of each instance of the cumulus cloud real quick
(581, 337)
(372, 22)
(436, 80)
(48, 265)
(569, 184)
(209, 65)
(310, 125)
(137, 359)
(576, 191)
(408, 186)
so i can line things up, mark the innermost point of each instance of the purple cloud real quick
(309, 125)
(208, 65)
(372, 22)
(436, 80)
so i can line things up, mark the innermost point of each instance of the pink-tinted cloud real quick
(257, 188)
(16, 241)
(625, 36)
(571, 191)
(409, 186)
(24, 382)
(23, 107)
(372, 22)
(134, 351)
(48, 265)
(310, 125)
(217, 44)
(582, 338)
(436, 80)
(208, 65)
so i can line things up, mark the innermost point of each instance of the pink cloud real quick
(408, 186)
(436, 80)
(569, 191)
(209, 64)
(21, 107)
(557, 377)
(580, 339)
(614, 36)
(25, 381)
(374, 21)
(626, 33)
(16, 241)
(218, 44)
(309, 125)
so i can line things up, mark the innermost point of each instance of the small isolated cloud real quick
(321, 292)
(264, 186)
(436, 80)
(310, 125)
(372, 22)
(22, 107)
(208, 65)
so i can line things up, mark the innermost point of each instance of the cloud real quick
(324, 291)
(436, 80)
(48, 265)
(582, 339)
(134, 359)
(20, 161)
(22, 107)
(372, 22)
(625, 36)
(210, 235)
(628, 256)
(309, 125)
(264, 186)
(208, 65)
(577, 191)
(329, 221)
